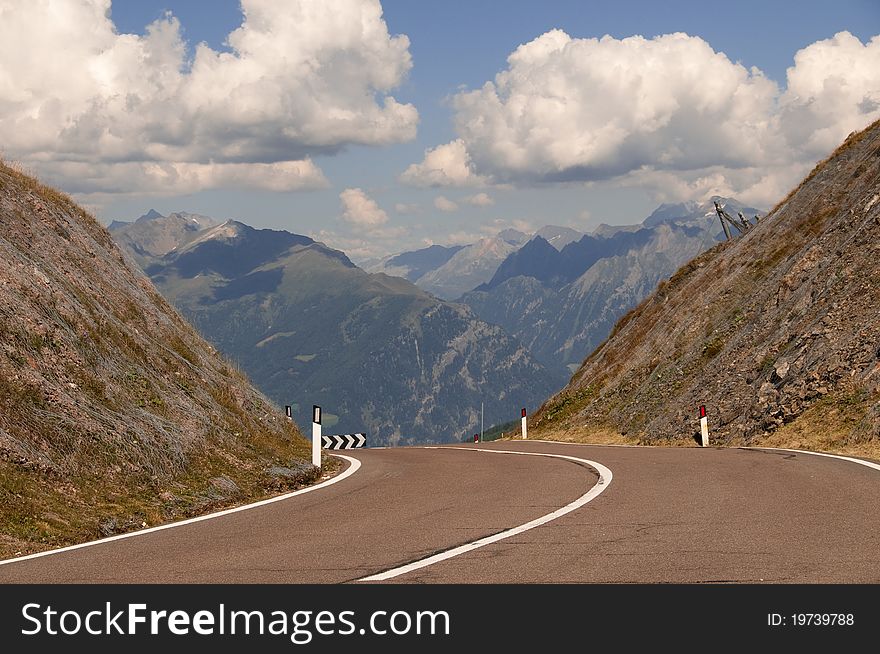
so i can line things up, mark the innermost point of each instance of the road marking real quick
(541, 440)
(870, 464)
(605, 477)
(354, 464)
(862, 462)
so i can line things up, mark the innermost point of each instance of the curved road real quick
(681, 515)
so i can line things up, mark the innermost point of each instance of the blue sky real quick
(456, 47)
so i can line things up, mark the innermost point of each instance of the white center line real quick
(605, 477)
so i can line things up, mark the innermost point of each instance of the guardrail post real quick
(316, 436)
(704, 426)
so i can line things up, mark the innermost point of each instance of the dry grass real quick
(831, 425)
(586, 435)
(27, 179)
(41, 512)
(827, 426)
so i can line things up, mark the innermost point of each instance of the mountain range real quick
(527, 307)
(378, 353)
(450, 271)
(561, 303)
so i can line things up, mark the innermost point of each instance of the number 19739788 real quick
(810, 620)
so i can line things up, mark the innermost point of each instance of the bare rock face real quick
(114, 411)
(779, 325)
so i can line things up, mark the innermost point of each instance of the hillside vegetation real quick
(115, 413)
(776, 332)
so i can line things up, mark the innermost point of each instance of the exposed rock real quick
(292, 473)
(225, 486)
(780, 370)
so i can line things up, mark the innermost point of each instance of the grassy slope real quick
(115, 412)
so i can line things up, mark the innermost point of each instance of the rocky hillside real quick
(776, 332)
(376, 352)
(115, 414)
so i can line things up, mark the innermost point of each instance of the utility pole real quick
(742, 225)
(481, 421)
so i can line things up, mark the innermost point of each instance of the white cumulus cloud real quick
(302, 78)
(659, 111)
(445, 165)
(360, 209)
(833, 88)
(445, 204)
(169, 178)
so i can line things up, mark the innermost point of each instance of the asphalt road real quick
(681, 515)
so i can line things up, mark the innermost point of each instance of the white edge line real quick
(842, 457)
(605, 477)
(851, 459)
(354, 464)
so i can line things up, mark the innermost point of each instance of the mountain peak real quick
(193, 220)
(558, 236)
(513, 236)
(117, 224)
(695, 212)
(152, 214)
(537, 259)
(227, 230)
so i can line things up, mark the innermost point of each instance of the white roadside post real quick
(525, 427)
(316, 436)
(704, 426)
(288, 411)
